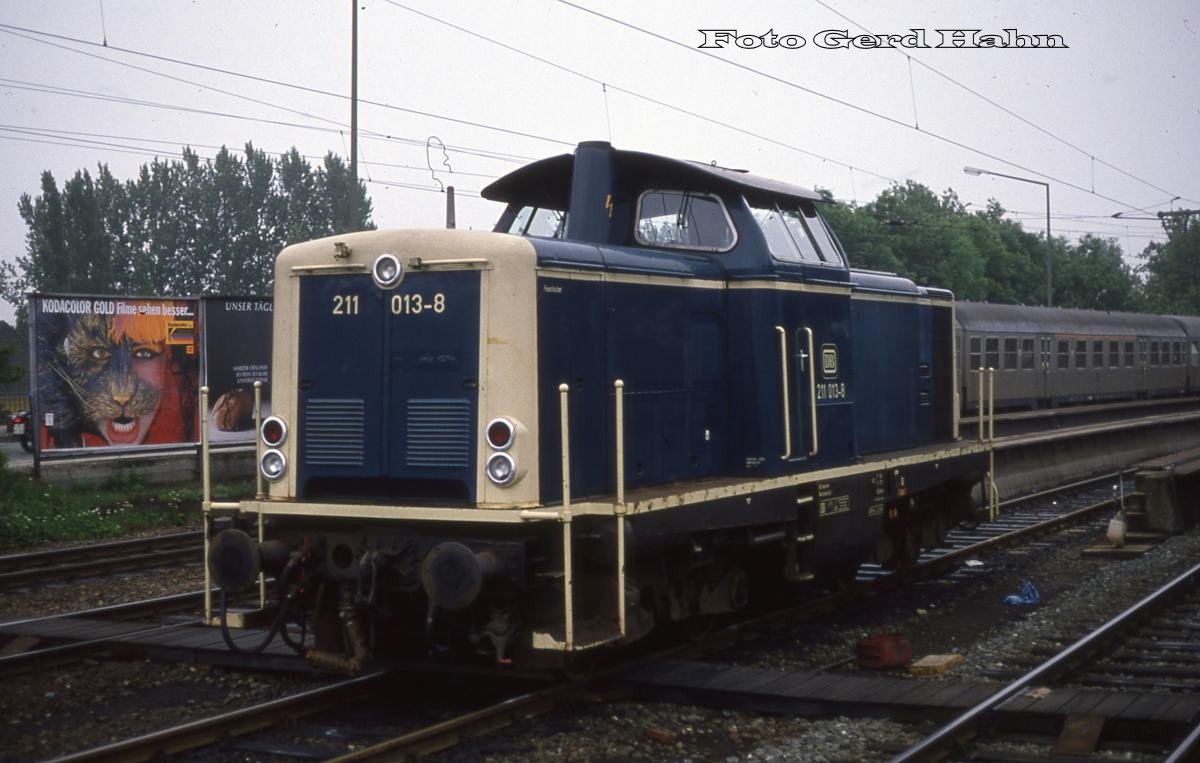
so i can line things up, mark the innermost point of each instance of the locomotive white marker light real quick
(273, 464)
(387, 271)
(273, 431)
(501, 469)
(500, 434)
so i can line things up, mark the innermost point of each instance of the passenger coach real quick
(1056, 356)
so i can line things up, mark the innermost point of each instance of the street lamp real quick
(1049, 248)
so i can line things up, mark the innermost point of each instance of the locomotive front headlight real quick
(387, 271)
(273, 464)
(501, 469)
(273, 432)
(500, 434)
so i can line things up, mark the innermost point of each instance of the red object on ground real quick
(884, 651)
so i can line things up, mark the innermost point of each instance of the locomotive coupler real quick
(350, 663)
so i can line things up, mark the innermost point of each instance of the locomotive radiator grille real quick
(438, 433)
(333, 432)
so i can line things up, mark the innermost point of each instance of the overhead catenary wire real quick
(634, 94)
(843, 102)
(88, 138)
(58, 90)
(12, 29)
(1001, 107)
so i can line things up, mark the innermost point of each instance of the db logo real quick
(829, 361)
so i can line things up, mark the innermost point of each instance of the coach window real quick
(1195, 351)
(1114, 354)
(684, 220)
(1064, 355)
(1097, 354)
(1081, 354)
(539, 222)
(1027, 357)
(992, 352)
(976, 353)
(1154, 353)
(1129, 355)
(1010, 354)
(1177, 355)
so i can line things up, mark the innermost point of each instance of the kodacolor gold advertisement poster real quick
(115, 372)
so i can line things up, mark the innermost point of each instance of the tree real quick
(1173, 268)
(180, 227)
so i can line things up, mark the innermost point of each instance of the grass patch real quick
(32, 513)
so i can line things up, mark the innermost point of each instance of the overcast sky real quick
(1117, 112)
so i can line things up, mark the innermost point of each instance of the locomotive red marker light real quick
(500, 434)
(274, 431)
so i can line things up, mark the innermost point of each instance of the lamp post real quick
(1049, 246)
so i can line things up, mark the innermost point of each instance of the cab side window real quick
(684, 220)
(795, 232)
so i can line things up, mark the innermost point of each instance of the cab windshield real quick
(539, 222)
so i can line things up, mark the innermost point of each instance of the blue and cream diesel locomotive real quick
(655, 391)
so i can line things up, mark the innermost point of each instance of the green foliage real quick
(34, 512)
(1173, 269)
(180, 227)
(9, 371)
(979, 255)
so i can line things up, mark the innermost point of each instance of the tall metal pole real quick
(352, 223)
(1049, 242)
(1049, 251)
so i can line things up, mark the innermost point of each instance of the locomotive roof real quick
(1000, 319)
(547, 182)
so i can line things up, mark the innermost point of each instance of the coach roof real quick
(982, 317)
(548, 182)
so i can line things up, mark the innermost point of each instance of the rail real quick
(933, 745)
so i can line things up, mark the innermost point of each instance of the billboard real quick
(237, 353)
(114, 372)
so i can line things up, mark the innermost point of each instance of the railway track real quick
(35, 657)
(40, 567)
(1151, 645)
(515, 706)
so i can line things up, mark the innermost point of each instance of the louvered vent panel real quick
(333, 432)
(438, 433)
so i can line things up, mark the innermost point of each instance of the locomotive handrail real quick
(619, 508)
(259, 494)
(205, 499)
(787, 413)
(331, 266)
(568, 603)
(812, 391)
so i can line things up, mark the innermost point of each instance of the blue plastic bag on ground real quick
(1026, 595)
